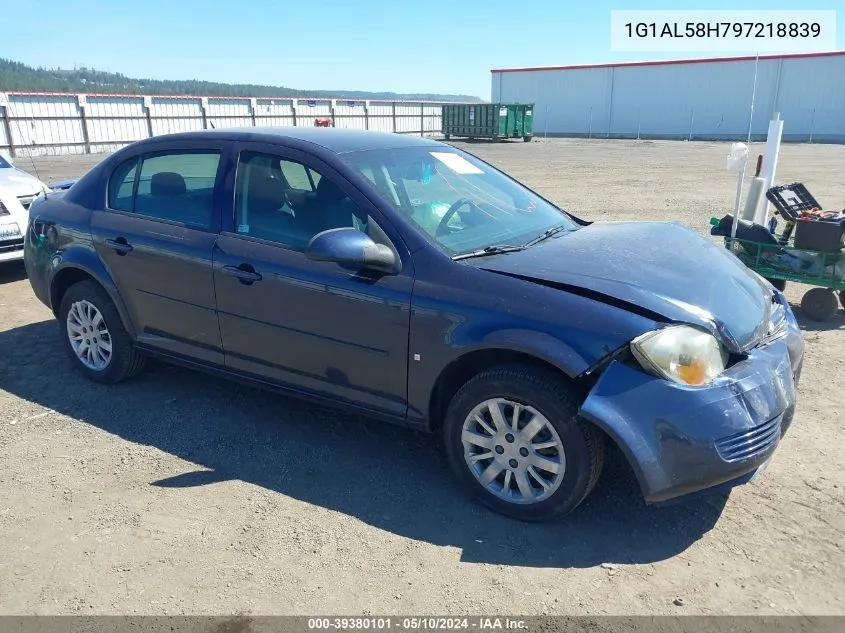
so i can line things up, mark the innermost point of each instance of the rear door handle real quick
(120, 245)
(245, 273)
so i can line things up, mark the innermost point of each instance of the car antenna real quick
(211, 123)
(32, 162)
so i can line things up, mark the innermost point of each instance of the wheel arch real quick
(73, 272)
(459, 371)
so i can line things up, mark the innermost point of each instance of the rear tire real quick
(842, 298)
(523, 459)
(819, 304)
(89, 320)
(527, 139)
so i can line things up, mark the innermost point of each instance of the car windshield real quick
(4, 164)
(461, 203)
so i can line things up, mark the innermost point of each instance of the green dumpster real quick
(488, 120)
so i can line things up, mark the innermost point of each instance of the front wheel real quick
(94, 335)
(516, 444)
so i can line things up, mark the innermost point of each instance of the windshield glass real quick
(4, 163)
(462, 204)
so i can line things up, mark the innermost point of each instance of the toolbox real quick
(793, 203)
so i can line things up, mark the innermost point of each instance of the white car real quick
(17, 191)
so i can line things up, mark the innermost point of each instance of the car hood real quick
(20, 183)
(661, 269)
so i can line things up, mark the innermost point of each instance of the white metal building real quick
(689, 99)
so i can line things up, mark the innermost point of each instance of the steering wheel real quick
(444, 221)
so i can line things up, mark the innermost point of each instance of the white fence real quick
(39, 124)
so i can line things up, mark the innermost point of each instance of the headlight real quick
(681, 353)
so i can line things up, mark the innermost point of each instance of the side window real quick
(178, 186)
(299, 176)
(121, 183)
(271, 204)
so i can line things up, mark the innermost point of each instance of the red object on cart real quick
(325, 121)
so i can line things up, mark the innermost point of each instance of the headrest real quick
(167, 183)
(328, 192)
(266, 192)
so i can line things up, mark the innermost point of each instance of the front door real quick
(156, 238)
(312, 326)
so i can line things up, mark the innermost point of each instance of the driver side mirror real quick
(350, 247)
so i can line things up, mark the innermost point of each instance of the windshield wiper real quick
(547, 234)
(495, 249)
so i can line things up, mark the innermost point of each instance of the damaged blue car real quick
(406, 279)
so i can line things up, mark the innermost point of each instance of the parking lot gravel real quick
(178, 493)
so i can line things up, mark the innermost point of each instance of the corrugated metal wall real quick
(703, 100)
(52, 124)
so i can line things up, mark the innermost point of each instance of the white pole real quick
(770, 163)
(737, 200)
(737, 162)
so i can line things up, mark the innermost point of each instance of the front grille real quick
(9, 246)
(751, 442)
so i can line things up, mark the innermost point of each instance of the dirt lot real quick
(178, 493)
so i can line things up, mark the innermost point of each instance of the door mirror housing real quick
(352, 248)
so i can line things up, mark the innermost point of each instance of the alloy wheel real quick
(513, 451)
(88, 335)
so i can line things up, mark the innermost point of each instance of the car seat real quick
(265, 214)
(168, 199)
(330, 209)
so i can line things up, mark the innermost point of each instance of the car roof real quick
(336, 140)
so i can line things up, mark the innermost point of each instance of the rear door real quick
(314, 326)
(156, 236)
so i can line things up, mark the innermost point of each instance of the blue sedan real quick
(403, 278)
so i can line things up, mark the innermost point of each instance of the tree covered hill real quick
(15, 76)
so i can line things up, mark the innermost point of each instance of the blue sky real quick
(402, 45)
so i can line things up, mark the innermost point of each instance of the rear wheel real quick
(527, 139)
(515, 442)
(94, 335)
(819, 304)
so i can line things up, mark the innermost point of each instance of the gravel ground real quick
(178, 493)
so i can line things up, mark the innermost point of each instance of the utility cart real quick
(810, 250)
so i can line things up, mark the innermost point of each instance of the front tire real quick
(94, 335)
(515, 443)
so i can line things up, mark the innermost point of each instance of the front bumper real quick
(679, 439)
(11, 245)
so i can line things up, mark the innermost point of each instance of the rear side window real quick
(299, 176)
(178, 187)
(121, 183)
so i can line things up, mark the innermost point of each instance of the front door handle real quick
(245, 273)
(120, 245)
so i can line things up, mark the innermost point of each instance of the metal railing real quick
(38, 124)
